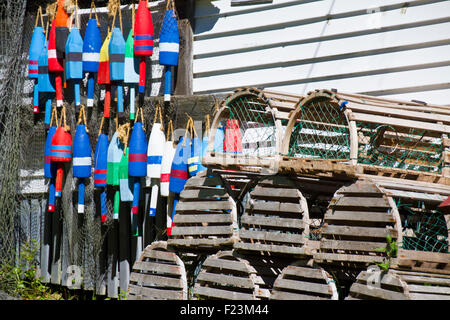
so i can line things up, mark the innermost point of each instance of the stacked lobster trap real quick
(303, 195)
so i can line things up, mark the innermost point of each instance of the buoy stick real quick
(132, 101)
(107, 101)
(167, 83)
(103, 207)
(81, 188)
(120, 99)
(136, 190)
(116, 205)
(48, 109)
(51, 195)
(36, 97)
(91, 86)
(77, 95)
(154, 197)
(59, 178)
(59, 92)
(142, 68)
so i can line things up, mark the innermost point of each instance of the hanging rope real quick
(101, 127)
(82, 117)
(169, 131)
(158, 111)
(93, 7)
(39, 13)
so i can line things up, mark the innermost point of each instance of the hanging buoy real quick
(179, 171)
(46, 82)
(100, 169)
(125, 189)
(219, 139)
(61, 151)
(115, 153)
(103, 74)
(56, 64)
(143, 39)
(91, 53)
(166, 162)
(116, 65)
(131, 71)
(74, 62)
(49, 167)
(194, 160)
(82, 161)
(233, 139)
(169, 46)
(154, 158)
(61, 27)
(37, 44)
(137, 160)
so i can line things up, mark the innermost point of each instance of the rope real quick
(142, 116)
(169, 129)
(186, 130)
(95, 12)
(82, 116)
(63, 115)
(133, 18)
(101, 126)
(39, 13)
(158, 111)
(54, 116)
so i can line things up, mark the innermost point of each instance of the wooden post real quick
(45, 242)
(124, 245)
(445, 154)
(184, 72)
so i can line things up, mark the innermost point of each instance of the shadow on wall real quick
(206, 23)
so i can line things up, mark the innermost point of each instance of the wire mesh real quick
(389, 146)
(424, 227)
(321, 132)
(250, 127)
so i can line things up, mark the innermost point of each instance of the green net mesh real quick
(321, 132)
(424, 229)
(388, 146)
(255, 122)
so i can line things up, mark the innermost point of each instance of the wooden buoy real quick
(49, 167)
(233, 138)
(82, 161)
(169, 46)
(61, 151)
(166, 162)
(116, 65)
(103, 75)
(219, 140)
(125, 189)
(46, 82)
(74, 62)
(91, 54)
(55, 64)
(115, 153)
(36, 46)
(100, 170)
(179, 171)
(61, 27)
(131, 70)
(143, 39)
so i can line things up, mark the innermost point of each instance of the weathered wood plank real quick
(358, 231)
(386, 279)
(202, 205)
(337, 215)
(360, 189)
(271, 236)
(425, 296)
(433, 280)
(302, 286)
(274, 206)
(160, 255)
(155, 280)
(303, 272)
(429, 289)
(269, 248)
(226, 280)
(272, 221)
(405, 255)
(347, 257)
(351, 245)
(200, 230)
(157, 268)
(154, 293)
(226, 265)
(201, 243)
(204, 217)
(266, 192)
(360, 202)
(206, 194)
(207, 182)
(222, 294)
(359, 289)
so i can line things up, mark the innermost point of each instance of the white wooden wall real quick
(388, 48)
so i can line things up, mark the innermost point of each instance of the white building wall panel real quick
(385, 48)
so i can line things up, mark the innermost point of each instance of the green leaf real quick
(380, 249)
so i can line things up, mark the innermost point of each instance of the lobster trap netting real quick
(249, 127)
(321, 132)
(401, 148)
(424, 227)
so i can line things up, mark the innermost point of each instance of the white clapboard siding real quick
(296, 46)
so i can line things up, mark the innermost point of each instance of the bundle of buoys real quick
(137, 162)
(49, 167)
(82, 160)
(100, 168)
(61, 150)
(143, 39)
(103, 77)
(131, 69)
(169, 46)
(117, 60)
(74, 61)
(46, 80)
(37, 44)
(91, 53)
(155, 153)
